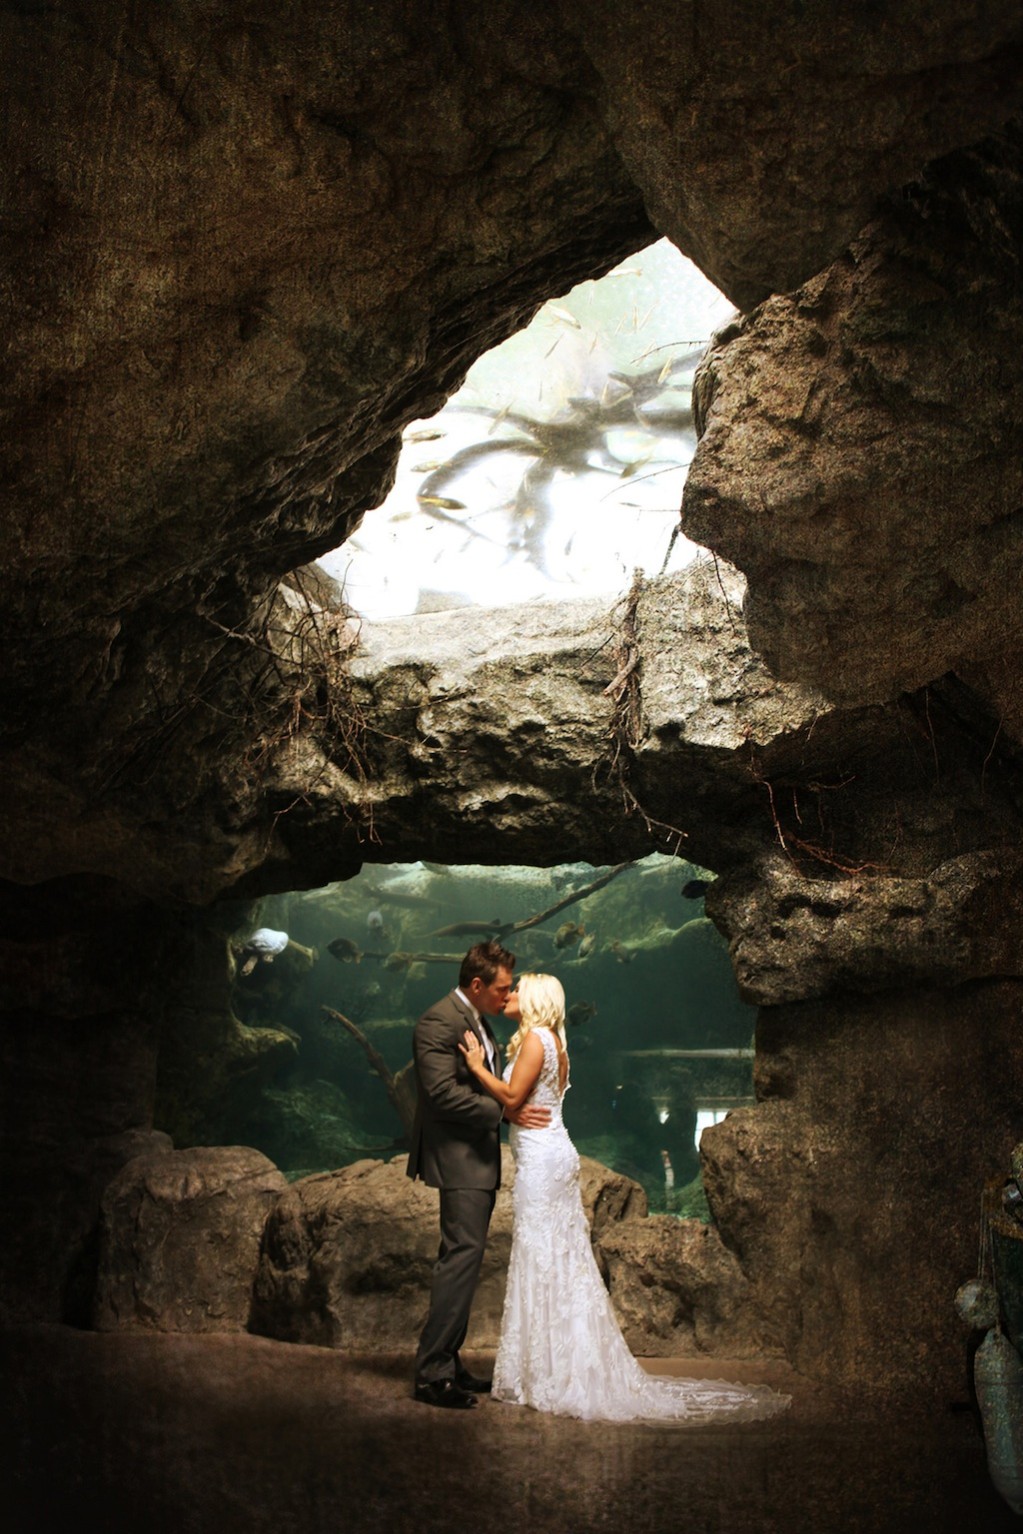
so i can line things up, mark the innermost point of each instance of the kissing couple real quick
(561, 1349)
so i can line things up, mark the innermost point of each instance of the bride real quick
(561, 1349)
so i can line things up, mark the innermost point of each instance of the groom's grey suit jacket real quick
(456, 1136)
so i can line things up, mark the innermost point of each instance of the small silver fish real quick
(443, 501)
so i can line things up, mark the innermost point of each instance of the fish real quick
(581, 1012)
(430, 466)
(425, 436)
(345, 950)
(445, 502)
(465, 928)
(375, 923)
(588, 944)
(695, 889)
(622, 954)
(569, 932)
(564, 316)
(398, 960)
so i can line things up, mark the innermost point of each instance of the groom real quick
(456, 1147)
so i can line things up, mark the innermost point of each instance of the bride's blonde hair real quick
(542, 1005)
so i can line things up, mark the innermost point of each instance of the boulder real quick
(179, 1240)
(348, 1255)
(676, 1288)
(860, 456)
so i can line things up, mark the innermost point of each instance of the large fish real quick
(468, 928)
(344, 949)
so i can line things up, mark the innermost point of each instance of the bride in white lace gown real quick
(561, 1349)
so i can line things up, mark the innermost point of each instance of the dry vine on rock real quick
(626, 727)
(303, 683)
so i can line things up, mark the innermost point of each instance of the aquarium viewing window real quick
(657, 1031)
(557, 469)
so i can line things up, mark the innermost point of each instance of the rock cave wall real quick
(247, 248)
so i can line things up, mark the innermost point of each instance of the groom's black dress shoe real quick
(444, 1393)
(472, 1383)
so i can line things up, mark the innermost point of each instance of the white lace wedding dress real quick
(561, 1349)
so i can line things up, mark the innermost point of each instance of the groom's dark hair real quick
(484, 959)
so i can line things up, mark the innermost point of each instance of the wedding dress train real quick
(561, 1349)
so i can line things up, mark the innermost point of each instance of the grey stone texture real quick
(348, 1255)
(180, 1233)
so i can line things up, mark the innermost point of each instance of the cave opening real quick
(557, 467)
(552, 473)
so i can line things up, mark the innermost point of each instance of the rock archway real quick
(247, 248)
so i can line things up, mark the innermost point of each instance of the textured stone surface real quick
(861, 458)
(250, 246)
(210, 393)
(830, 109)
(791, 937)
(52, 1197)
(245, 246)
(517, 700)
(851, 1194)
(348, 1255)
(678, 1289)
(179, 1240)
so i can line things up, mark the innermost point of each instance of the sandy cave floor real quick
(229, 1434)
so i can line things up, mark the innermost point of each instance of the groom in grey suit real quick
(456, 1147)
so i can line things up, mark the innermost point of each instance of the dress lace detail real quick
(561, 1349)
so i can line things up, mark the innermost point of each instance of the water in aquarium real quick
(659, 1039)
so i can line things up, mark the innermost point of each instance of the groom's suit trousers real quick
(464, 1221)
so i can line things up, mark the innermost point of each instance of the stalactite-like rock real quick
(863, 442)
(879, 94)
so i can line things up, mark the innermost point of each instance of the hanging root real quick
(625, 731)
